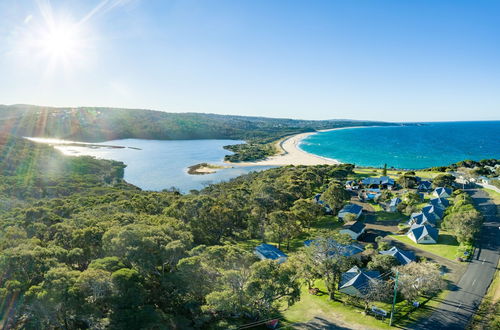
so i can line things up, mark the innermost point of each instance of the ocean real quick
(408, 147)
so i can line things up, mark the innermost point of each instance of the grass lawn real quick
(390, 216)
(311, 306)
(493, 195)
(447, 245)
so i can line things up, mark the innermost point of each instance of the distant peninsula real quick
(99, 124)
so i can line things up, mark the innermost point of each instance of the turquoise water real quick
(163, 164)
(408, 147)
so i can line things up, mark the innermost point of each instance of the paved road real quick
(457, 309)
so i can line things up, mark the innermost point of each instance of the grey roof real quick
(270, 251)
(359, 279)
(357, 227)
(352, 208)
(420, 231)
(402, 256)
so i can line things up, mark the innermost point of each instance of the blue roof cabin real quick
(440, 203)
(345, 250)
(424, 186)
(357, 282)
(350, 209)
(271, 252)
(441, 192)
(384, 182)
(403, 257)
(423, 234)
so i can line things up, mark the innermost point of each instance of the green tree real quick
(335, 196)
(443, 180)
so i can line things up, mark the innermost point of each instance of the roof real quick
(352, 208)
(439, 202)
(441, 191)
(425, 185)
(402, 256)
(395, 201)
(346, 250)
(382, 180)
(431, 210)
(422, 218)
(358, 278)
(356, 227)
(270, 251)
(420, 231)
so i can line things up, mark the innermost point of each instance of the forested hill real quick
(100, 124)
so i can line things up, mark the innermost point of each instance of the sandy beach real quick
(292, 155)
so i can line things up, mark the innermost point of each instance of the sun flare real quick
(60, 42)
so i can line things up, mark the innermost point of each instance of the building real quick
(345, 250)
(441, 192)
(354, 229)
(439, 203)
(432, 211)
(423, 234)
(424, 186)
(421, 218)
(350, 209)
(402, 256)
(270, 252)
(351, 185)
(356, 282)
(384, 182)
(392, 206)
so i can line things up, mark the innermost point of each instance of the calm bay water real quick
(163, 164)
(409, 147)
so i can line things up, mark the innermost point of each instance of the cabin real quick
(270, 252)
(439, 203)
(351, 185)
(356, 282)
(421, 218)
(392, 206)
(431, 211)
(350, 209)
(353, 229)
(402, 256)
(384, 182)
(345, 250)
(423, 234)
(424, 186)
(441, 192)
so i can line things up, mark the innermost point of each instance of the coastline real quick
(291, 154)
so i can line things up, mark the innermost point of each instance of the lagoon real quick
(159, 164)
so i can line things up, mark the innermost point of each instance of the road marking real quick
(473, 282)
(483, 261)
(458, 307)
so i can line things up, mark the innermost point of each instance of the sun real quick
(60, 42)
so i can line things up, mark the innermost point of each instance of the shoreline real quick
(291, 154)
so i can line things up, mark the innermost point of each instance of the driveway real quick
(460, 305)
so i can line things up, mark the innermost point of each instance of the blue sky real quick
(383, 60)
